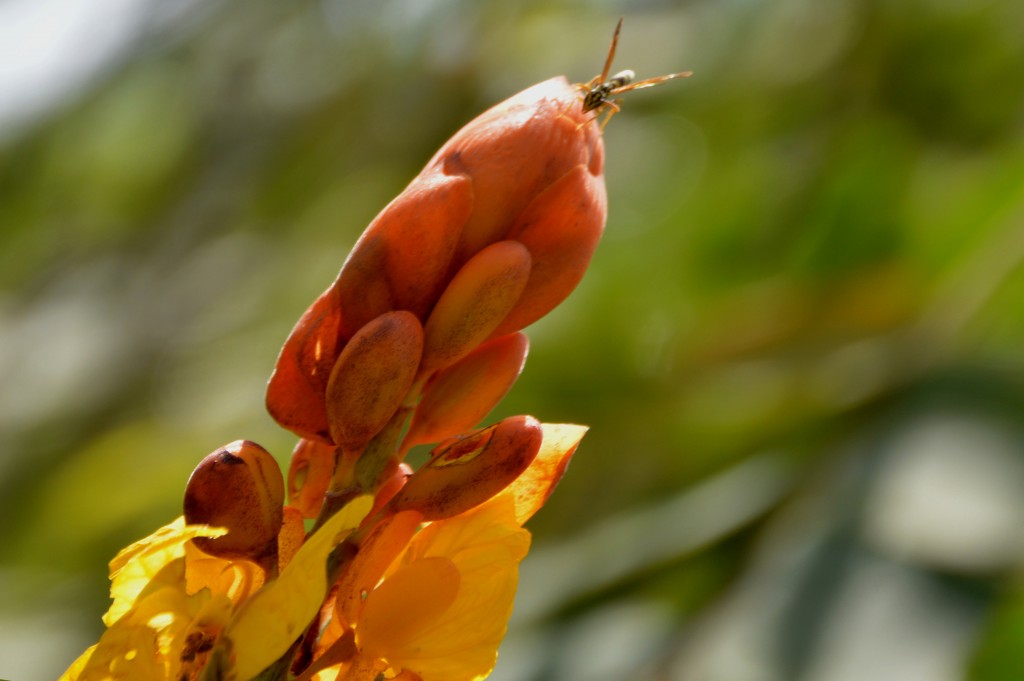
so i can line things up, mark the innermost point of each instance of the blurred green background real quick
(799, 346)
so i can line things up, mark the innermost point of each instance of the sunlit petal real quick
(133, 568)
(485, 544)
(531, 489)
(148, 641)
(73, 673)
(268, 623)
(405, 605)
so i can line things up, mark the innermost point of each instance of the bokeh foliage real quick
(798, 346)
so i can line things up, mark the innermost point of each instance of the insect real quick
(599, 91)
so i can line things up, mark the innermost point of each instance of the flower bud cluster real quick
(402, 572)
(496, 230)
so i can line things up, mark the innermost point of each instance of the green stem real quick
(379, 457)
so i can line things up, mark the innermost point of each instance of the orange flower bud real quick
(514, 151)
(469, 471)
(370, 380)
(478, 298)
(295, 393)
(561, 229)
(238, 487)
(457, 398)
(404, 258)
(529, 169)
(309, 475)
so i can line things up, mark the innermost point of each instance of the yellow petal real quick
(74, 672)
(147, 641)
(485, 544)
(133, 568)
(533, 487)
(268, 623)
(236, 579)
(126, 651)
(408, 601)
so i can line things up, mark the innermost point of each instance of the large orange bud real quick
(528, 170)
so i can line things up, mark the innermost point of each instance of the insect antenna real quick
(611, 53)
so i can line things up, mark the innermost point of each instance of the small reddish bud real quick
(295, 393)
(372, 377)
(479, 296)
(403, 259)
(456, 399)
(238, 487)
(469, 470)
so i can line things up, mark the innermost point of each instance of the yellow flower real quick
(160, 629)
(419, 602)
(155, 630)
(434, 605)
(443, 607)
